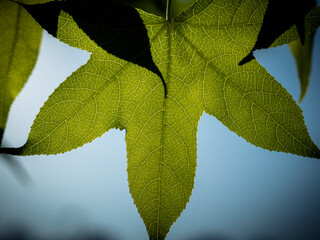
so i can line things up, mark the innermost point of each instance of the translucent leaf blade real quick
(263, 112)
(20, 41)
(90, 102)
(198, 56)
(162, 149)
(246, 99)
(303, 56)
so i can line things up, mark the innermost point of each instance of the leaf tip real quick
(164, 86)
(313, 152)
(301, 31)
(317, 154)
(301, 97)
(1, 135)
(247, 59)
(46, 14)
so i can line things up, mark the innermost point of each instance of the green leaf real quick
(198, 55)
(303, 56)
(19, 40)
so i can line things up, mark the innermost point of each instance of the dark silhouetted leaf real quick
(115, 27)
(279, 17)
(303, 57)
(158, 7)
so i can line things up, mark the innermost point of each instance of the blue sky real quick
(241, 191)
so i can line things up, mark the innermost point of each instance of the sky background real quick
(240, 192)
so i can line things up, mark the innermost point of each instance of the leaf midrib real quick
(189, 9)
(168, 25)
(218, 26)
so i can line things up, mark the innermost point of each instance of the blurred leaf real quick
(198, 55)
(19, 45)
(303, 56)
(17, 169)
(279, 17)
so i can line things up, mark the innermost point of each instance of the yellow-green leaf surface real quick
(19, 45)
(198, 55)
(303, 56)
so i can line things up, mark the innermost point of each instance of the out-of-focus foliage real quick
(19, 45)
(303, 56)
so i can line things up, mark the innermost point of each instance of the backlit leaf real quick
(303, 56)
(19, 45)
(198, 55)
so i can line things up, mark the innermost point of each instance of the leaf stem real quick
(169, 11)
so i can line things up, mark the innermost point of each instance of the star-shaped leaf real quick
(197, 54)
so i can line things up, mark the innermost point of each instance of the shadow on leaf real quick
(278, 18)
(115, 27)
